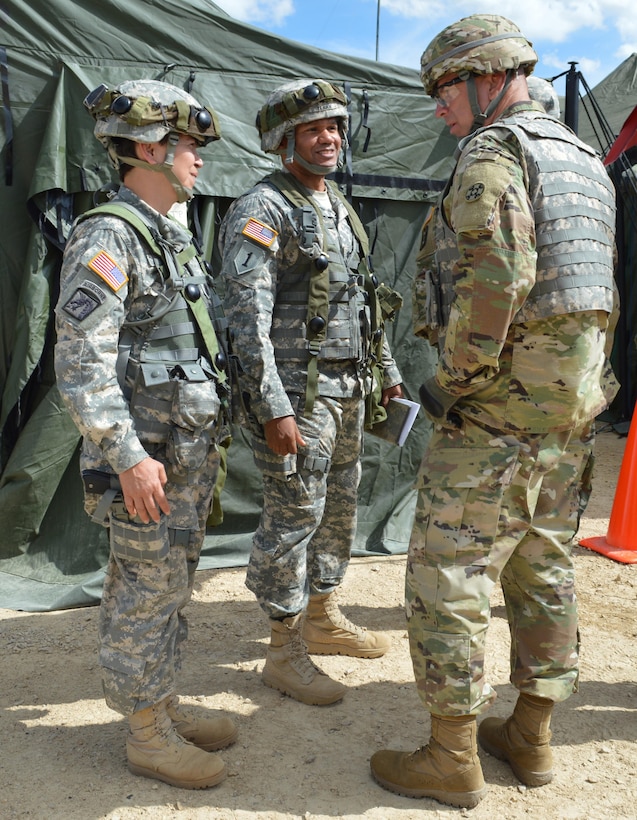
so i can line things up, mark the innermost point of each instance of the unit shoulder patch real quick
(260, 232)
(474, 192)
(107, 269)
(248, 258)
(84, 300)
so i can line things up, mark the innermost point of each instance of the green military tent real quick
(52, 52)
(605, 108)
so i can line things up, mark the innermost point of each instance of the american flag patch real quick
(107, 269)
(260, 232)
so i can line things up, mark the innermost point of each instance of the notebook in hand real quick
(401, 414)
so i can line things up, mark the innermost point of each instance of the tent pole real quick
(377, 27)
(571, 108)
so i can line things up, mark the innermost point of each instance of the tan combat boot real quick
(156, 750)
(289, 669)
(327, 631)
(198, 726)
(446, 769)
(522, 739)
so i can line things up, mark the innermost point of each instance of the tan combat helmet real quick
(148, 111)
(477, 45)
(295, 103)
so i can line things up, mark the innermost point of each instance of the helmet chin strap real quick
(166, 168)
(292, 155)
(320, 170)
(480, 117)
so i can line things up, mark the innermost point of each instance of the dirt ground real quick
(63, 751)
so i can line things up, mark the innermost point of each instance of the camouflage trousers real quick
(308, 522)
(495, 507)
(148, 582)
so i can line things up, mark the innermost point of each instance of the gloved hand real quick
(436, 401)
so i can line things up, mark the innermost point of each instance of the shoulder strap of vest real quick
(290, 188)
(128, 214)
(146, 230)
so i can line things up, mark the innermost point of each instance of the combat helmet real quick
(148, 111)
(295, 103)
(477, 45)
(542, 91)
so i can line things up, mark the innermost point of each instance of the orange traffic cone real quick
(620, 542)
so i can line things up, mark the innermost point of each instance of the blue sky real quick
(598, 34)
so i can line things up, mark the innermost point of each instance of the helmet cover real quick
(479, 44)
(542, 91)
(295, 103)
(148, 110)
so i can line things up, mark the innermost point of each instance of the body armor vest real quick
(329, 307)
(322, 309)
(571, 277)
(183, 336)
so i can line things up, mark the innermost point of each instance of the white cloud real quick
(598, 34)
(553, 20)
(258, 12)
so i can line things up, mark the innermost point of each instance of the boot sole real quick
(525, 776)
(204, 783)
(336, 649)
(273, 683)
(463, 800)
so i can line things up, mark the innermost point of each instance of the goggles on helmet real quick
(140, 112)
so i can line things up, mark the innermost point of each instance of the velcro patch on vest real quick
(260, 232)
(85, 300)
(107, 269)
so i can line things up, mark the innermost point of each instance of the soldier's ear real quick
(151, 152)
(495, 83)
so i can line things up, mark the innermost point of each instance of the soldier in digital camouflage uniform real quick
(519, 291)
(303, 309)
(542, 91)
(140, 365)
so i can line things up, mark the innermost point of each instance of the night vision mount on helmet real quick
(147, 111)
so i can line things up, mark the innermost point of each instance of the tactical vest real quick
(327, 307)
(574, 278)
(184, 335)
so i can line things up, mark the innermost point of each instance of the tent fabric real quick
(627, 139)
(52, 53)
(615, 96)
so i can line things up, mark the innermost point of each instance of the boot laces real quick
(299, 657)
(339, 620)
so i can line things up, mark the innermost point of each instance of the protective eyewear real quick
(445, 93)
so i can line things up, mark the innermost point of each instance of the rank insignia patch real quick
(474, 192)
(260, 232)
(107, 269)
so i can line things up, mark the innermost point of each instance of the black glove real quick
(435, 400)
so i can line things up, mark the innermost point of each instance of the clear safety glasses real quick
(445, 93)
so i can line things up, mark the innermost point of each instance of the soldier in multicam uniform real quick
(519, 294)
(140, 365)
(304, 313)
